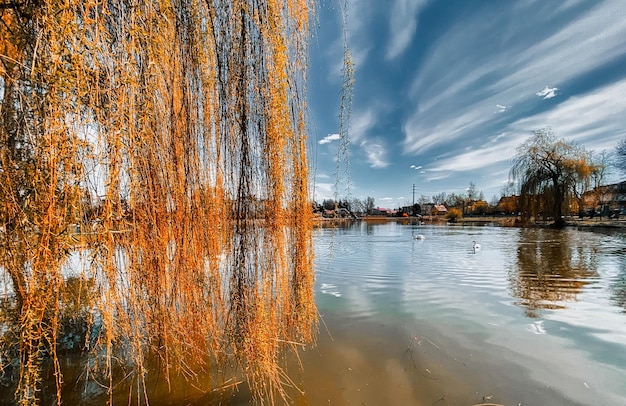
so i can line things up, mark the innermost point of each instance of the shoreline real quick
(499, 221)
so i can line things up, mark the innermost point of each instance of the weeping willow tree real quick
(548, 170)
(163, 141)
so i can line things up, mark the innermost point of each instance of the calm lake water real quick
(535, 317)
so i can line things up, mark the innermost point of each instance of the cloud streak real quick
(501, 108)
(329, 138)
(547, 92)
(441, 87)
(402, 25)
(594, 119)
(376, 153)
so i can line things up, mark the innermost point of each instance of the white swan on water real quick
(476, 246)
(419, 237)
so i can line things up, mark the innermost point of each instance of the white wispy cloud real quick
(453, 80)
(355, 33)
(361, 123)
(416, 167)
(324, 191)
(480, 158)
(402, 25)
(547, 92)
(375, 152)
(592, 119)
(329, 138)
(421, 135)
(595, 119)
(436, 176)
(374, 148)
(497, 137)
(501, 108)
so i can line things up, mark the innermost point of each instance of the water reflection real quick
(568, 282)
(618, 286)
(552, 268)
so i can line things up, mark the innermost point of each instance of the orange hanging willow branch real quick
(162, 143)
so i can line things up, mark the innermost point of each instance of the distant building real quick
(379, 211)
(329, 213)
(508, 205)
(606, 197)
(414, 210)
(427, 209)
(439, 210)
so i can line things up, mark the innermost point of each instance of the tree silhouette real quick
(547, 170)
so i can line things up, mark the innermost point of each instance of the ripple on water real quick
(330, 289)
(563, 289)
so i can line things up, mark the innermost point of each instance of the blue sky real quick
(446, 90)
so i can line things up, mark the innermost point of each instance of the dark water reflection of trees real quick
(551, 268)
(618, 286)
(74, 336)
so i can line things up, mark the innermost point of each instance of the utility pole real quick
(414, 194)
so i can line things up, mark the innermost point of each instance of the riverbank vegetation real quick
(163, 143)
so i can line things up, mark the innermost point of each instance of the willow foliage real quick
(163, 141)
(548, 170)
(342, 169)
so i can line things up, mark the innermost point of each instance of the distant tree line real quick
(355, 205)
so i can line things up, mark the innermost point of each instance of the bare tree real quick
(494, 201)
(472, 193)
(439, 198)
(508, 190)
(370, 204)
(423, 200)
(620, 156)
(358, 205)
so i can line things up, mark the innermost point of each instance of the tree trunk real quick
(559, 197)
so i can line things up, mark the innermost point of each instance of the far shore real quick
(502, 221)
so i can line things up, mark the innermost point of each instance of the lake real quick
(537, 316)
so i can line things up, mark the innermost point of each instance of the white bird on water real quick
(419, 237)
(476, 246)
